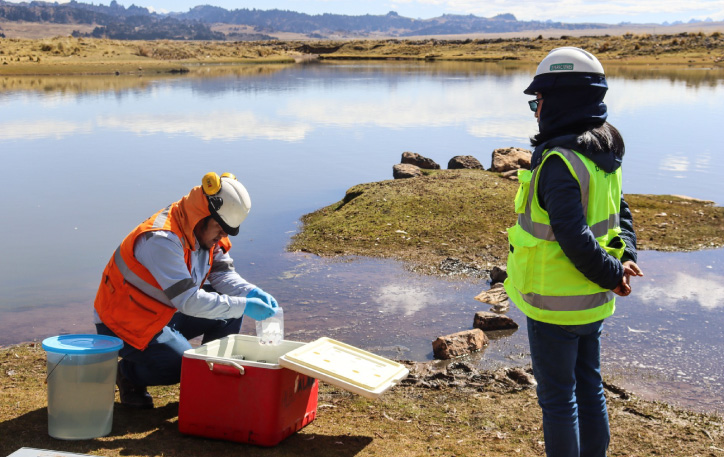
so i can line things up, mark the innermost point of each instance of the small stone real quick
(419, 161)
(506, 159)
(405, 170)
(457, 344)
(494, 296)
(464, 162)
(521, 377)
(511, 175)
(490, 321)
(497, 275)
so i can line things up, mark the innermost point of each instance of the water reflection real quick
(106, 152)
(397, 298)
(104, 84)
(42, 129)
(694, 77)
(216, 125)
(683, 289)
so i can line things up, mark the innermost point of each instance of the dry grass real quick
(452, 416)
(68, 55)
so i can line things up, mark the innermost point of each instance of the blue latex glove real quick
(258, 293)
(258, 309)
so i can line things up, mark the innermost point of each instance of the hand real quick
(258, 293)
(258, 309)
(629, 269)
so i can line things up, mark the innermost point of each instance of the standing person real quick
(151, 293)
(573, 248)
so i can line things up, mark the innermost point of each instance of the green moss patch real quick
(463, 214)
(674, 223)
(447, 213)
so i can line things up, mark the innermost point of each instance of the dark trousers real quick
(160, 363)
(567, 365)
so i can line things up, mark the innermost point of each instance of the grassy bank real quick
(463, 214)
(460, 415)
(68, 55)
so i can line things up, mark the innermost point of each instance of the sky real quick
(571, 11)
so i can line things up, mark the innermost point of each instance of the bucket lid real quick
(82, 344)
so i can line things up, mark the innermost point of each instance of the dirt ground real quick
(451, 410)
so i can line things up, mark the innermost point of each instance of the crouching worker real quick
(151, 293)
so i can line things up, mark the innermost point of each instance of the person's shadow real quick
(154, 432)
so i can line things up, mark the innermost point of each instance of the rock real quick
(494, 296)
(405, 170)
(464, 162)
(490, 321)
(512, 175)
(457, 344)
(419, 161)
(497, 275)
(505, 159)
(454, 266)
(521, 377)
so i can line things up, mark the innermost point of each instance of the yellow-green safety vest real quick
(542, 281)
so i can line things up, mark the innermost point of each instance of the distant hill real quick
(114, 21)
(118, 22)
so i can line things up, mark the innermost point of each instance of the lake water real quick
(85, 159)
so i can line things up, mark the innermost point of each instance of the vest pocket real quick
(522, 252)
(521, 197)
(139, 304)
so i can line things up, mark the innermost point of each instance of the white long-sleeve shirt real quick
(162, 253)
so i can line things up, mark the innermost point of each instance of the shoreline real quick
(85, 56)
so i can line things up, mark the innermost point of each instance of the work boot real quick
(132, 395)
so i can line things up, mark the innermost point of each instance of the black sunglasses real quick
(533, 104)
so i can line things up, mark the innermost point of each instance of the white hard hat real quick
(565, 60)
(229, 202)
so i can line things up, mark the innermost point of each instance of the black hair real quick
(592, 138)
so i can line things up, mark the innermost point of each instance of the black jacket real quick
(560, 195)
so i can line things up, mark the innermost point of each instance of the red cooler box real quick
(239, 390)
(234, 389)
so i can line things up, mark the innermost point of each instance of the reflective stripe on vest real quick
(129, 300)
(568, 303)
(545, 232)
(128, 274)
(161, 218)
(542, 282)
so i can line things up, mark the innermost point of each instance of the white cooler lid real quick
(345, 366)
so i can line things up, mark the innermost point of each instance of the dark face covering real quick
(572, 102)
(572, 105)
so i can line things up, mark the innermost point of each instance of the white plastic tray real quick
(345, 366)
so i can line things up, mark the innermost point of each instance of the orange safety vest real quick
(130, 301)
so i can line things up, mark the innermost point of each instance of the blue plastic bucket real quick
(81, 379)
